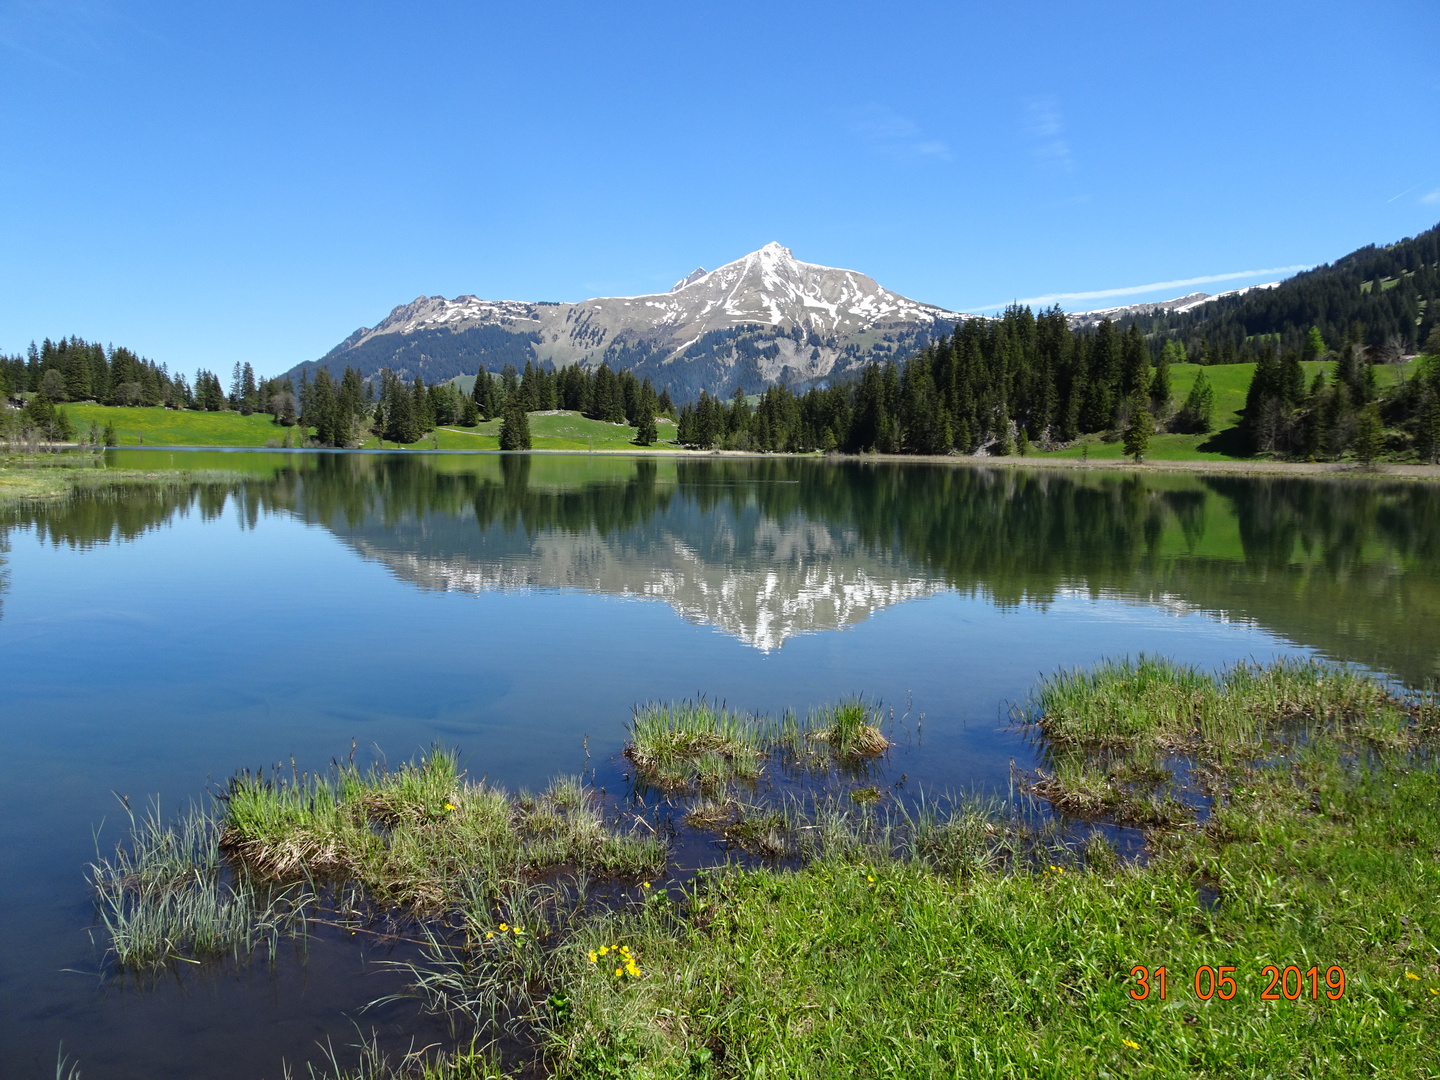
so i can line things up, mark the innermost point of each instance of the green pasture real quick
(1226, 441)
(171, 427)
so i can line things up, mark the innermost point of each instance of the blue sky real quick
(210, 183)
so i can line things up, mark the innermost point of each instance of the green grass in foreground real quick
(910, 943)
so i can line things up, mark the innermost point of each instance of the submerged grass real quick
(50, 478)
(1114, 732)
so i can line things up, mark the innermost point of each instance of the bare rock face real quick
(761, 319)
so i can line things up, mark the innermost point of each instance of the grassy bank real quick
(51, 477)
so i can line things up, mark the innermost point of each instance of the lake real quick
(518, 607)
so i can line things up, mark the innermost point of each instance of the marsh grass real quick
(699, 746)
(1114, 732)
(695, 744)
(53, 478)
(921, 941)
(417, 836)
(890, 936)
(165, 895)
(372, 1063)
(1155, 704)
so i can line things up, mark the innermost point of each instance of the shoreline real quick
(1236, 466)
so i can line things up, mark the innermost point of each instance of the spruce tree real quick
(1160, 380)
(1197, 414)
(1369, 435)
(646, 432)
(515, 427)
(1140, 427)
(1135, 362)
(1428, 422)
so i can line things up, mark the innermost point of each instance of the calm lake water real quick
(517, 607)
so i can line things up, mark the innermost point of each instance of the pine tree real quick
(1160, 380)
(1135, 362)
(1140, 427)
(1369, 435)
(1197, 414)
(515, 427)
(1428, 422)
(646, 432)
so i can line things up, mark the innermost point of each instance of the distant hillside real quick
(1381, 294)
(761, 320)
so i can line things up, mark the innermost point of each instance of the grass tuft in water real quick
(697, 746)
(166, 896)
(417, 836)
(372, 1063)
(694, 744)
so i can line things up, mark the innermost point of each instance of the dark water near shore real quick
(151, 642)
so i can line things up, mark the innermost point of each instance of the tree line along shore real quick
(1020, 385)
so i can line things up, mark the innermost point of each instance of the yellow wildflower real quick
(644, 884)
(503, 928)
(1434, 991)
(1412, 975)
(449, 806)
(489, 934)
(604, 949)
(1131, 1045)
(869, 877)
(593, 956)
(617, 973)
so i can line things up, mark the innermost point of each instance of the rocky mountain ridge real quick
(762, 319)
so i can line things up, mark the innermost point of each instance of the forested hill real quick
(1376, 296)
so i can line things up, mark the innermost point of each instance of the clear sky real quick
(218, 182)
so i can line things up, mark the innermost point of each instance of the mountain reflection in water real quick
(765, 549)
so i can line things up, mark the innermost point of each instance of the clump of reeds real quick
(690, 744)
(850, 728)
(694, 745)
(472, 1063)
(1112, 728)
(411, 836)
(166, 895)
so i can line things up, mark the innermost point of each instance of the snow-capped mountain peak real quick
(780, 319)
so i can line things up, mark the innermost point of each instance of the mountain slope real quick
(765, 318)
(1388, 290)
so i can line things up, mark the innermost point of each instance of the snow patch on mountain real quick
(826, 307)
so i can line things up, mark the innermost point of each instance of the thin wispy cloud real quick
(887, 132)
(1431, 196)
(1046, 129)
(1154, 286)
